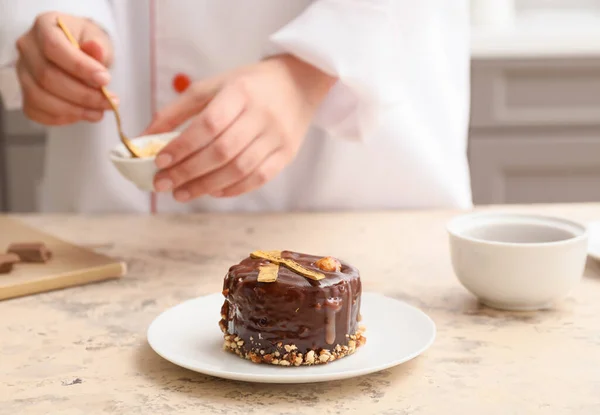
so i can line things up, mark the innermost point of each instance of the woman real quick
(303, 105)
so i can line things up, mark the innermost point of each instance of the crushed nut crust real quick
(288, 355)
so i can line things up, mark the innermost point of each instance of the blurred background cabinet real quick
(535, 130)
(22, 145)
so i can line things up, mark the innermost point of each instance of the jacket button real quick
(181, 82)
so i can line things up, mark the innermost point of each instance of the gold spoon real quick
(126, 142)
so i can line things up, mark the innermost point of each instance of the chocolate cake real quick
(291, 309)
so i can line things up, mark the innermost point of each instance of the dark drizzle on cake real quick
(294, 309)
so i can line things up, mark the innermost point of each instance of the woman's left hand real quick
(247, 126)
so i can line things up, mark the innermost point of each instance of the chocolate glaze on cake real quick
(294, 312)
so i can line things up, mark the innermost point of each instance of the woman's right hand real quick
(61, 83)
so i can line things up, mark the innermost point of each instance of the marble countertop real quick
(84, 351)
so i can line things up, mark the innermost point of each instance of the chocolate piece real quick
(7, 261)
(287, 319)
(31, 251)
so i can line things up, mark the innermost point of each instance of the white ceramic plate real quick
(594, 240)
(188, 335)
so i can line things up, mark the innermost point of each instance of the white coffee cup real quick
(517, 261)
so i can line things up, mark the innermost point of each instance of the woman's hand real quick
(247, 126)
(60, 83)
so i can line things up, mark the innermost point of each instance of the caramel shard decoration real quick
(268, 273)
(294, 266)
(275, 257)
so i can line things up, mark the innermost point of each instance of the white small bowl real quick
(139, 171)
(517, 261)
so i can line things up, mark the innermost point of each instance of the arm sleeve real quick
(355, 41)
(17, 16)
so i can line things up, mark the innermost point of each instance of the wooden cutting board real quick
(71, 265)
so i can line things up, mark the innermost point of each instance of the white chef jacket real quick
(391, 134)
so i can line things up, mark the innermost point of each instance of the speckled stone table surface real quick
(84, 351)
